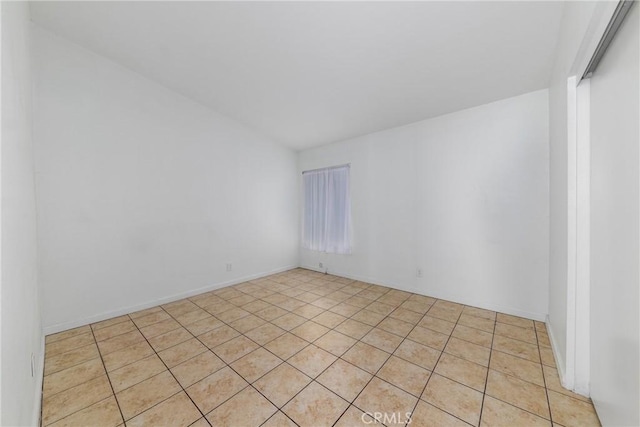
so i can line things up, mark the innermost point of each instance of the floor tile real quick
(136, 372)
(438, 325)
(344, 379)
(335, 343)
(518, 348)
(517, 392)
(271, 312)
(265, 333)
(114, 330)
(279, 419)
(315, 406)
(282, 383)
(354, 417)
(516, 332)
(159, 328)
(458, 400)
(218, 336)
(70, 358)
(353, 328)
(286, 345)
(382, 339)
(405, 375)
(427, 415)
(396, 326)
(146, 394)
(415, 306)
(109, 322)
(378, 347)
(312, 360)
(479, 312)
(67, 334)
(169, 339)
(552, 382)
(380, 396)
(468, 351)
(289, 321)
(212, 391)
(516, 321)
(73, 376)
(428, 337)
(245, 408)
(380, 307)
(150, 319)
(176, 411)
(418, 354)
(235, 349)
(67, 402)
(498, 413)
(255, 364)
(68, 344)
(571, 412)
(517, 367)
(310, 331)
(193, 370)
(546, 354)
(406, 315)
(368, 317)
(473, 335)
(366, 357)
(192, 316)
(308, 311)
(444, 313)
(329, 319)
(120, 358)
(483, 324)
(184, 351)
(104, 413)
(232, 315)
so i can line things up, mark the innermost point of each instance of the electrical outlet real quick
(320, 265)
(229, 266)
(419, 272)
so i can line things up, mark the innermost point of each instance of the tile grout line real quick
(486, 380)
(433, 372)
(285, 287)
(107, 374)
(168, 370)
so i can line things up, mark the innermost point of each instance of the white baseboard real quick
(559, 359)
(59, 327)
(449, 297)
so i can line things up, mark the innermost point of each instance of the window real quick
(327, 210)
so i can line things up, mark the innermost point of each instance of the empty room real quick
(320, 213)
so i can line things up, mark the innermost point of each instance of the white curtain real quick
(327, 210)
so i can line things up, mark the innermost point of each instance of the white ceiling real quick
(310, 73)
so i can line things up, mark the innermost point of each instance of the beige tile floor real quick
(308, 349)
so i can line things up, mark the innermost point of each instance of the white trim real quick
(487, 305)
(37, 399)
(583, 236)
(569, 377)
(59, 327)
(556, 353)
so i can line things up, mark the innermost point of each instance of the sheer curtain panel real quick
(327, 210)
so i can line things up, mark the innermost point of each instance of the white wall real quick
(462, 196)
(145, 195)
(615, 229)
(21, 325)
